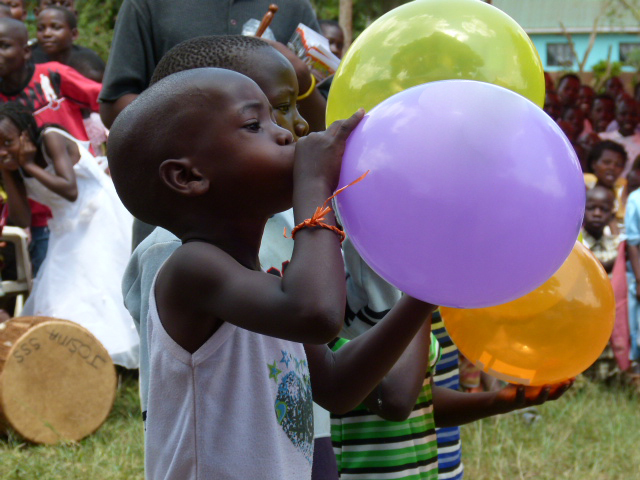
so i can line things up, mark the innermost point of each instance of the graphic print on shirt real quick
(293, 405)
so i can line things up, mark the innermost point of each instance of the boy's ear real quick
(74, 34)
(181, 176)
(27, 52)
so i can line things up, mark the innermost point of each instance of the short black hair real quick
(211, 51)
(69, 16)
(599, 148)
(85, 60)
(566, 76)
(17, 28)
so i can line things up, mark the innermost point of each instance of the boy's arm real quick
(632, 228)
(452, 408)
(63, 180)
(17, 202)
(203, 286)
(78, 88)
(395, 396)
(342, 380)
(633, 251)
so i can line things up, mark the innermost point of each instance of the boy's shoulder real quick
(144, 264)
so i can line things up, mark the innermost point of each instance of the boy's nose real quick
(284, 137)
(301, 127)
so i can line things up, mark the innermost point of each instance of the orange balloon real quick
(547, 336)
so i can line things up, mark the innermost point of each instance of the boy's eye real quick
(284, 108)
(253, 126)
(7, 143)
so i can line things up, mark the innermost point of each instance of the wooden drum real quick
(57, 381)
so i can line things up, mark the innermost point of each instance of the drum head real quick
(58, 383)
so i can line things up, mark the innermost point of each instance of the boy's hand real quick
(515, 397)
(27, 152)
(319, 155)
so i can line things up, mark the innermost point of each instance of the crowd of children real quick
(329, 372)
(605, 132)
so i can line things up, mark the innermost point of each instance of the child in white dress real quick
(90, 231)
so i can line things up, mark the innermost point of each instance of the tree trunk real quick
(346, 21)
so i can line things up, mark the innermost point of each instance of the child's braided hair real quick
(22, 118)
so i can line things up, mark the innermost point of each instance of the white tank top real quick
(240, 407)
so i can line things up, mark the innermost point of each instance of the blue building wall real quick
(598, 52)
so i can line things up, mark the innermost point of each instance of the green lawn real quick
(591, 434)
(115, 451)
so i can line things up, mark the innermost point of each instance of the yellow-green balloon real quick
(428, 40)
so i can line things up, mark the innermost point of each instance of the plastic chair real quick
(22, 285)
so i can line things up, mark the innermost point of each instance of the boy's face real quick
(14, 53)
(336, 38)
(602, 114)
(608, 168)
(598, 211)
(576, 118)
(627, 117)
(53, 32)
(613, 87)
(18, 10)
(552, 105)
(249, 149)
(633, 180)
(9, 145)
(568, 91)
(548, 83)
(276, 78)
(585, 98)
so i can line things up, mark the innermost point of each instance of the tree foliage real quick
(364, 11)
(96, 20)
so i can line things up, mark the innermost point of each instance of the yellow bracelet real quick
(311, 89)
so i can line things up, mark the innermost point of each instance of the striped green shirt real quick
(367, 447)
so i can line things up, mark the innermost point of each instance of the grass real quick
(115, 451)
(593, 433)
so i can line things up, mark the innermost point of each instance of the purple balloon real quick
(475, 196)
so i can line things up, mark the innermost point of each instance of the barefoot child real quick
(90, 231)
(244, 389)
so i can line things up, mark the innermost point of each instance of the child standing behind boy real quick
(599, 211)
(56, 31)
(626, 135)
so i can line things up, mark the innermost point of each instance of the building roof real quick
(544, 16)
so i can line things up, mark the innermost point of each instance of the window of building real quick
(559, 55)
(626, 49)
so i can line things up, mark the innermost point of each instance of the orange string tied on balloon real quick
(317, 219)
